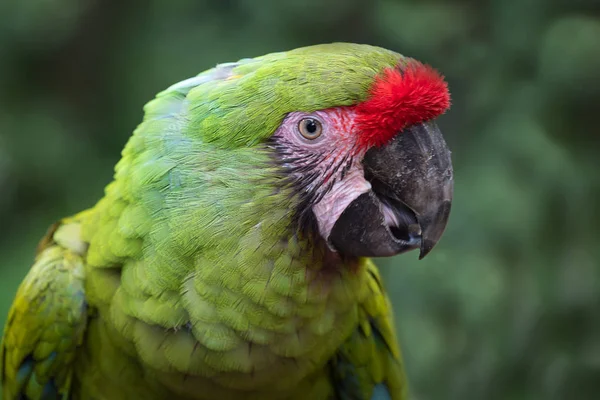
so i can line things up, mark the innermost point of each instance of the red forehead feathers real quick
(399, 99)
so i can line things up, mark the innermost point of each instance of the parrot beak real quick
(409, 201)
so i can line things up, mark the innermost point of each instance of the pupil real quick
(311, 127)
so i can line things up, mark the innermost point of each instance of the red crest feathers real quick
(399, 99)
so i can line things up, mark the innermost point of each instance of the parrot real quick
(230, 257)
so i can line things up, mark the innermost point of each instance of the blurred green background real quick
(508, 305)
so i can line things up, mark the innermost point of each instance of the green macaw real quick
(228, 257)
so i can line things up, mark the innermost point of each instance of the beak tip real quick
(433, 228)
(426, 247)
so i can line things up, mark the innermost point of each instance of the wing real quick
(369, 365)
(46, 321)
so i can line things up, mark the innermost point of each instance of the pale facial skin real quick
(325, 143)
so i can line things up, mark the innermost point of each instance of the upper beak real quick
(410, 199)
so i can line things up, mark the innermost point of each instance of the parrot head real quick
(373, 178)
(334, 142)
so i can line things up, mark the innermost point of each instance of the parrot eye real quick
(310, 128)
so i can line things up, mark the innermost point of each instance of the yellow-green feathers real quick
(47, 321)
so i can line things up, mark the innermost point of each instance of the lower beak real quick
(410, 199)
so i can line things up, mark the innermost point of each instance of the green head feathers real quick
(241, 104)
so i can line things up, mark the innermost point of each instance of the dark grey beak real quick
(409, 203)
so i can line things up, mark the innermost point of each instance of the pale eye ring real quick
(310, 128)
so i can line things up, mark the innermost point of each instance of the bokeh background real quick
(508, 305)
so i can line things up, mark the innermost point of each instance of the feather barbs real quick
(400, 97)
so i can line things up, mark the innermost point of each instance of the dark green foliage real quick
(508, 305)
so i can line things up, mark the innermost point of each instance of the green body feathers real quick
(198, 284)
